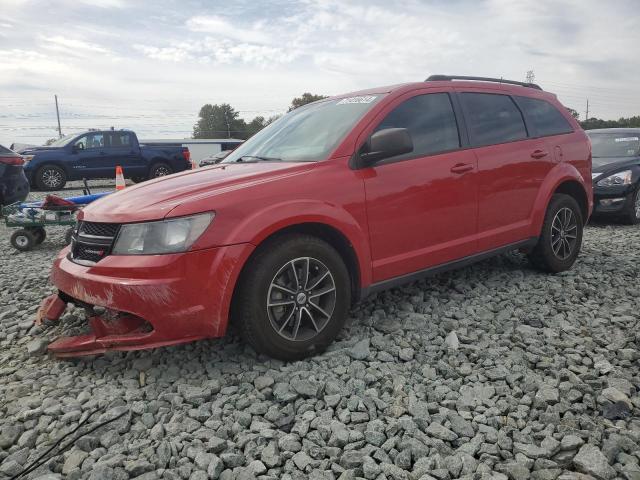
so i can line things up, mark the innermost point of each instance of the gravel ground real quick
(491, 372)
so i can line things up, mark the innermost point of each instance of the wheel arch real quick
(564, 178)
(574, 189)
(323, 231)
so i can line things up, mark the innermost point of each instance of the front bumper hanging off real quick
(108, 331)
(144, 302)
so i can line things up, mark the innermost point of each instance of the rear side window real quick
(5, 150)
(430, 121)
(120, 139)
(543, 117)
(492, 118)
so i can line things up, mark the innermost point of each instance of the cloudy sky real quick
(149, 66)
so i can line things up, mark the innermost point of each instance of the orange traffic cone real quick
(120, 183)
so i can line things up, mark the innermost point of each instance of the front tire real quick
(561, 236)
(632, 216)
(50, 177)
(293, 297)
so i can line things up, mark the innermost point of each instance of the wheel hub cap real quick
(301, 299)
(564, 233)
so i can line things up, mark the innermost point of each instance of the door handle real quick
(461, 168)
(539, 153)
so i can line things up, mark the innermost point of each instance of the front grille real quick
(92, 241)
(99, 229)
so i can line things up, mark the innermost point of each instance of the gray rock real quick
(263, 382)
(451, 341)
(360, 350)
(441, 432)
(9, 434)
(591, 460)
(215, 468)
(37, 347)
(270, 455)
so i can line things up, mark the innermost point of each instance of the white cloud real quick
(72, 46)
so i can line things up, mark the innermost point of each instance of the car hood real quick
(33, 150)
(604, 164)
(155, 199)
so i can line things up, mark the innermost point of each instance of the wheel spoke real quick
(286, 322)
(322, 292)
(295, 273)
(281, 303)
(283, 288)
(296, 328)
(320, 309)
(307, 266)
(319, 281)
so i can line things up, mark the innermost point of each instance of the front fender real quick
(262, 223)
(562, 172)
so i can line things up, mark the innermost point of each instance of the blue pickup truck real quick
(95, 154)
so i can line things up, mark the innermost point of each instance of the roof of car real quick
(493, 85)
(614, 130)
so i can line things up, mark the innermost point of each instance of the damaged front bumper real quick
(148, 301)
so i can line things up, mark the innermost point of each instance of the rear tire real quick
(50, 177)
(138, 179)
(632, 215)
(23, 240)
(561, 236)
(160, 170)
(293, 297)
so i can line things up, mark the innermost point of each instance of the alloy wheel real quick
(161, 172)
(51, 178)
(564, 233)
(301, 299)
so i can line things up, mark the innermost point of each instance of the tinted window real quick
(5, 150)
(493, 118)
(623, 144)
(430, 121)
(544, 117)
(120, 139)
(91, 140)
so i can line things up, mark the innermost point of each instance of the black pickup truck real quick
(95, 154)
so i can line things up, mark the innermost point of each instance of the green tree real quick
(574, 113)
(304, 99)
(591, 123)
(258, 123)
(219, 121)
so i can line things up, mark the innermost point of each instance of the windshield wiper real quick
(257, 158)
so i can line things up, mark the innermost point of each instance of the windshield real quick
(307, 134)
(615, 144)
(61, 142)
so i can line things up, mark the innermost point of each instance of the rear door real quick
(421, 206)
(122, 150)
(511, 167)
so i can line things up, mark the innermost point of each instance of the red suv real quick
(335, 200)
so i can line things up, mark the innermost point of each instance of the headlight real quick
(166, 236)
(620, 178)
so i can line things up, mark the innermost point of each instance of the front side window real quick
(430, 121)
(307, 134)
(91, 140)
(492, 118)
(623, 144)
(544, 117)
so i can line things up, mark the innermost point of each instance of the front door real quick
(93, 160)
(422, 206)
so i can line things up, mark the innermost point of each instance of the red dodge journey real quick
(335, 200)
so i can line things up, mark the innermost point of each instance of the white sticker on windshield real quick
(627, 139)
(360, 99)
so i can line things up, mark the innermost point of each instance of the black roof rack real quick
(438, 78)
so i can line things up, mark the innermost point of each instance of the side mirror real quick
(385, 144)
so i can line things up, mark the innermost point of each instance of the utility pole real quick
(58, 115)
(587, 112)
(530, 77)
